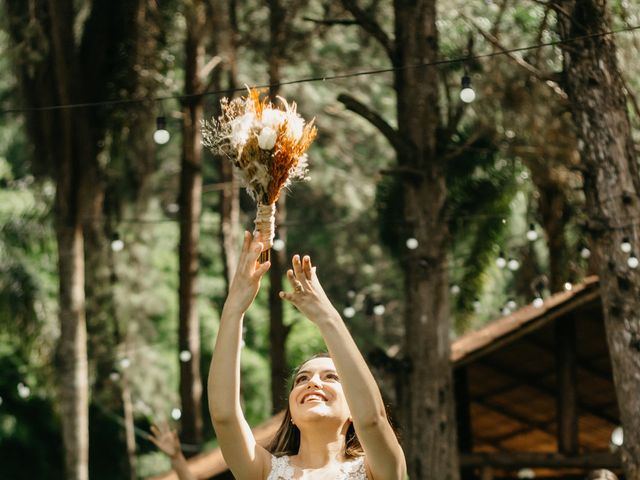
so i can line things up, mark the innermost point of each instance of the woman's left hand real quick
(166, 439)
(308, 295)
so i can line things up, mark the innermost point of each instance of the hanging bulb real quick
(467, 95)
(513, 264)
(349, 312)
(538, 302)
(505, 311)
(501, 262)
(625, 246)
(532, 235)
(185, 356)
(633, 261)
(477, 305)
(379, 309)
(617, 437)
(585, 253)
(161, 135)
(278, 245)
(117, 245)
(511, 304)
(412, 243)
(455, 289)
(176, 413)
(568, 286)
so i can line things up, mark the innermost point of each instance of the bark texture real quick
(612, 189)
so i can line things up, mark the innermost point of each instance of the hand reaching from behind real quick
(166, 439)
(308, 295)
(246, 281)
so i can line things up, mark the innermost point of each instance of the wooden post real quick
(463, 417)
(566, 399)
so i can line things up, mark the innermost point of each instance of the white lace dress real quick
(281, 469)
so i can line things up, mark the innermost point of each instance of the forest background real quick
(100, 226)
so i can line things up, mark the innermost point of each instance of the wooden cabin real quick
(534, 393)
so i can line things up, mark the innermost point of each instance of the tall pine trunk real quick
(278, 331)
(612, 189)
(190, 210)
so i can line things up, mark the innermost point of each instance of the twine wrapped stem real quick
(265, 228)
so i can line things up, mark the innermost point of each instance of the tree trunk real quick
(278, 331)
(71, 354)
(190, 209)
(429, 403)
(612, 190)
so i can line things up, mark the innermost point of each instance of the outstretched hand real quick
(308, 296)
(166, 439)
(246, 281)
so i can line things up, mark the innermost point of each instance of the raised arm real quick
(384, 456)
(245, 458)
(166, 439)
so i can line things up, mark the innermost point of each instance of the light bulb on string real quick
(501, 262)
(511, 304)
(114, 376)
(513, 264)
(176, 413)
(117, 245)
(538, 302)
(349, 312)
(477, 305)
(585, 253)
(568, 286)
(617, 437)
(633, 261)
(185, 356)
(455, 289)
(625, 246)
(23, 390)
(412, 243)
(278, 245)
(467, 94)
(505, 311)
(161, 135)
(532, 235)
(124, 363)
(379, 309)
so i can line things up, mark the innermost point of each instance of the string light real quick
(349, 312)
(501, 262)
(538, 302)
(532, 235)
(351, 294)
(505, 311)
(585, 253)
(617, 437)
(278, 245)
(161, 135)
(412, 243)
(513, 264)
(114, 376)
(455, 289)
(124, 363)
(625, 246)
(117, 245)
(176, 413)
(467, 94)
(633, 261)
(511, 304)
(477, 305)
(568, 286)
(185, 356)
(23, 390)
(379, 309)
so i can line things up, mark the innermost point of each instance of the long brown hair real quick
(602, 475)
(286, 440)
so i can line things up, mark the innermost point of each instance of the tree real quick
(611, 185)
(60, 65)
(427, 394)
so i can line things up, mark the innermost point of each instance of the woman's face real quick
(317, 393)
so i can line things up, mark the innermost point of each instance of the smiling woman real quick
(335, 425)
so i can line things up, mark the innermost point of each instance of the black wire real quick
(323, 78)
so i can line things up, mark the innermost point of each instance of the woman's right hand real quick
(246, 281)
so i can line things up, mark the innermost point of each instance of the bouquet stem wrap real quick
(265, 228)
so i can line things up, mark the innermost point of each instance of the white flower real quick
(295, 125)
(240, 127)
(273, 118)
(267, 138)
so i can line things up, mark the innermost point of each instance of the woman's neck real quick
(320, 446)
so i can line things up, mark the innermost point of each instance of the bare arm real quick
(166, 439)
(245, 458)
(385, 458)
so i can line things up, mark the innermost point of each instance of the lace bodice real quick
(281, 469)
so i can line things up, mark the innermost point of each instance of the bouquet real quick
(267, 145)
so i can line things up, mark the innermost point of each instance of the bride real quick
(335, 425)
